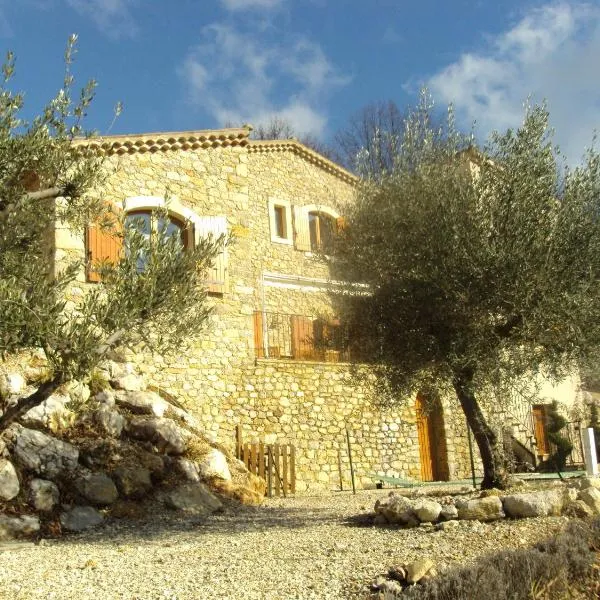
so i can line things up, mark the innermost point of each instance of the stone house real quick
(273, 360)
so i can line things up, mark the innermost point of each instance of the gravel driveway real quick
(304, 547)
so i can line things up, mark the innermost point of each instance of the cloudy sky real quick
(197, 64)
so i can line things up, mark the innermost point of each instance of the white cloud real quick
(112, 17)
(235, 5)
(238, 78)
(551, 53)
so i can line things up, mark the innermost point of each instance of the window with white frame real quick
(280, 221)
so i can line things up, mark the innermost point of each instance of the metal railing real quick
(300, 337)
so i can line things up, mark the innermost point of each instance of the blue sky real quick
(196, 64)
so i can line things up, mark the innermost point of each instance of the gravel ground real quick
(297, 548)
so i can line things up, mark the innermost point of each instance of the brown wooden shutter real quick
(259, 344)
(301, 229)
(539, 423)
(303, 347)
(102, 245)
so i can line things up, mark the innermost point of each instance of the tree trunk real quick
(494, 475)
(24, 404)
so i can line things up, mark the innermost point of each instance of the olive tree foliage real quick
(46, 173)
(482, 265)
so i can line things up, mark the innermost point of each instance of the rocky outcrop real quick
(142, 403)
(79, 518)
(534, 504)
(132, 481)
(480, 509)
(15, 527)
(47, 413)
(162, 432)
(9, 481)
(97, 488)
(109, 422)
(591, 496)
(427, 511)
(193, 498)
(44, 454)
(214, 464)
(397, 510)
(43, 495)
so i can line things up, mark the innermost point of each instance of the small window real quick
(280, 221)
(280, 218)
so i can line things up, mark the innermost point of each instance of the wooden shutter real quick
(301, 229)
(539, 423)
(259, 344)
(303, 347)
(423, 430)
(215, 226)
(102, 245)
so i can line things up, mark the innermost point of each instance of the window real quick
(280, 218)
(322, 228)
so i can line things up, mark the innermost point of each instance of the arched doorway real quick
(432, 440)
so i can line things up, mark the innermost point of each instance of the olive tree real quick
(152, 295)
(481, 265)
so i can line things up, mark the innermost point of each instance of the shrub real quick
(546, 571)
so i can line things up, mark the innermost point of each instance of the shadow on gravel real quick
(360, 520)
(164, 526)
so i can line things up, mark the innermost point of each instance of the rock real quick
(378, 582)
(578, 509)
(397, 510)
(105, 397)
(449, 512)
(162, 432)
(417, 569)
(187, 468)
(132, 481)
(589, 482)
(79, 518)
(44, 454)
(129, 383)
(109, 421)
(48, 413)
(9, 482)
(43, 495)
(427, 511)
(591, 496)
(390, 589)
(480, 509)
(514, 482)
(214, 464)
(78, 392)
(569, 494)
(97, 488)
(142, 403)
(397, 572)
(15, 384)
(14, 527)
(533, 504)
(116, 370)
(194, 498)
(448, 525)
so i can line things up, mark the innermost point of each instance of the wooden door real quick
(432, 441)
(539, 429)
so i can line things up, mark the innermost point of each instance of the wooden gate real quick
(274, 462)
(432, 441)
(539, 428)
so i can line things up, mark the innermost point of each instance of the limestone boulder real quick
(44, 454)
(109, 421)
(164, 433)
(13, 384)
(15, 527)
(128, 383)
(214, 464)
(43, 495)
(589, 482)
(142, 403)
(534, 504)
(80, 518)
(48, 412)
(427, 511)
(106, 398)
(193, 498)
(132, 481)
(416, 570)
(397, 510)
(591, 496)
(97, 488)
(578, 509)
(449, 512)
(480, 509)
(188, 469)
(9, 481)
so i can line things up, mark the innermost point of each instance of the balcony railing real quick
(298, 337)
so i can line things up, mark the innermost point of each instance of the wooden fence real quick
(274, 462)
